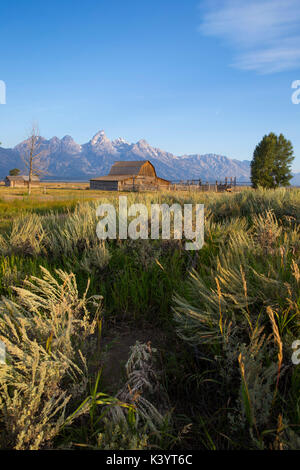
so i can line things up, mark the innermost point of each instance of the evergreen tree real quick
(270, 166)
(284, 158)
(263, 162)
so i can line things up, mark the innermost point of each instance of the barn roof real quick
(22, 178)
(129, 168)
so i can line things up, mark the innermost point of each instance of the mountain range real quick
(66, 160)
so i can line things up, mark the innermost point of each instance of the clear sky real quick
(188, 76)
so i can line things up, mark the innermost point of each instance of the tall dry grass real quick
(236, 310)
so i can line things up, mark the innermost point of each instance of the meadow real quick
(141, 344)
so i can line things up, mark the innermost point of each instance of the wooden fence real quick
(198, 185)
(184, 185)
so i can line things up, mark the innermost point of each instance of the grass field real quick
(141, 344)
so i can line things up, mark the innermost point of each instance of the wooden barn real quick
(130, 176)
(20, 181)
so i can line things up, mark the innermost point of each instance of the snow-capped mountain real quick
(65, 159)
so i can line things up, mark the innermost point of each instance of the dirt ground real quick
(116, 344)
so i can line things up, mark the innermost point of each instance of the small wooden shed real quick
(20, 181)
(130, 176)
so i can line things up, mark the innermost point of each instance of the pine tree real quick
(270, 166)
(284, 158)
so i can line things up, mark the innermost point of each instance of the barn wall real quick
(104, 185)
(163, 182)
(147, 170)
(20, 183)
(143, 183)
(15, 184)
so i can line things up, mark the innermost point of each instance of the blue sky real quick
(187, 76)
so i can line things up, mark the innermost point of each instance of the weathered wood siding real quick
(130, 176)
(19, 183)
(147, 170)
(104, 185)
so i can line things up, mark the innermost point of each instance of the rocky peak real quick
(67, 139)
(119, 141)
(142, 143)
(99, 138)
(69, 145)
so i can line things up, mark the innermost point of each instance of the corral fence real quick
(228, 184)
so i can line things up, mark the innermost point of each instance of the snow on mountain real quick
(65, 159)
